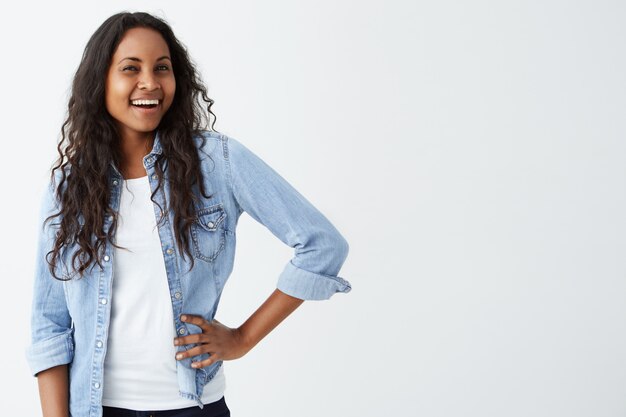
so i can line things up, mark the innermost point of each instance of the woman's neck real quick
(133, 148)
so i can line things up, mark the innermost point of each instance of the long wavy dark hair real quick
(93, 143)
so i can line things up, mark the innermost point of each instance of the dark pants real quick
(215, 409)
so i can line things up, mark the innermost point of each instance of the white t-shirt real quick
(139, 366)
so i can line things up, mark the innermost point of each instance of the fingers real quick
(195, 351)
(201, 339)
(206, 362)
(192, 338)
(197, 320)
(198, 350)
(196, 337)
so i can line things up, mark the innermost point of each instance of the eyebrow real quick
(132, 58)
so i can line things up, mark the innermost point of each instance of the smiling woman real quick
(140, 84)
(148, 199)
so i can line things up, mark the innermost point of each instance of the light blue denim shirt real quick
(70, 319)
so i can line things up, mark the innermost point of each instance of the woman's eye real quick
(134, 68)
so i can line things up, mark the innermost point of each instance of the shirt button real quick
(106, 258)
(99, 343)
(115, 182)
(110, 218)
(97, 385)
(210, 224)
(177, 295)
(170, 251)
(155, 176)
(181, 330)
(103, 301)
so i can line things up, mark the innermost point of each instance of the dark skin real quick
(221, 342)
(225, 343)
(141, 68)
(148, 74)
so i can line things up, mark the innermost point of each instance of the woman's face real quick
(140, 69)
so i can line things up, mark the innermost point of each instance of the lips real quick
(147, 110)
(145, 101)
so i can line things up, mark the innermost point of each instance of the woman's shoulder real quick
(217, 137)
(209, 142)
(209, 135)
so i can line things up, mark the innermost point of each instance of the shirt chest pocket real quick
(208, 232)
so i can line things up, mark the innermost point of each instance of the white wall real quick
(472, 153)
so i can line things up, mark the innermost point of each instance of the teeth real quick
(145, 102)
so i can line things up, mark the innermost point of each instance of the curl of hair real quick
(90, 142)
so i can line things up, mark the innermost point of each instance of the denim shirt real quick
(70, 319)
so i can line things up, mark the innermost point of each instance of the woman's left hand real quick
(222, 342)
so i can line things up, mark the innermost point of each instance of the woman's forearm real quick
(54, 382)
(54, 391)
(274, 310)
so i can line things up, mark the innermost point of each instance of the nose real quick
(148, 82)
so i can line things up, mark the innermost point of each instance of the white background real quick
(471, 152)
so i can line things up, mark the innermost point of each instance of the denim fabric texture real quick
(70, 319)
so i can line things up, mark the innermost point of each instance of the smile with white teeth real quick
(144, 102)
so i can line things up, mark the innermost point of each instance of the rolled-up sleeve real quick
(52, 341)
(319, 249)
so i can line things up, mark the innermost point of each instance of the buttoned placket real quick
(104, 306)
(106, 284)
(167, 244)
(166, 235)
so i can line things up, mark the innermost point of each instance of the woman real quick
(138, 238)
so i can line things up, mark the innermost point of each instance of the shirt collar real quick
(156, 146)
(149, 159)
